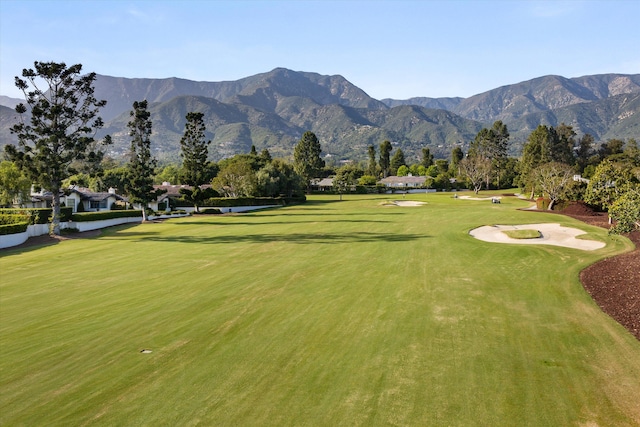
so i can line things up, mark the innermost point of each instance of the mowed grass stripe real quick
(331, 313)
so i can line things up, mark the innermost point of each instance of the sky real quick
(389, 48)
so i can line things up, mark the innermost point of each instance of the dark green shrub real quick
(8, 219)
(102, 215)
(39, 215)
(210, 211)
(229, 202)
(15, 228)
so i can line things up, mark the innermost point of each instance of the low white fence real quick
(10, 240)
(103, 223)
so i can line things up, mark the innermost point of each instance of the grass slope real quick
(331, 313)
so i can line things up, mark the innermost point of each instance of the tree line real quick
(57, 147)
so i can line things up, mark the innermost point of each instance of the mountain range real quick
(272, 110)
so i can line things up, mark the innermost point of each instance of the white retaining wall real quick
(10, 240)
(104, 223)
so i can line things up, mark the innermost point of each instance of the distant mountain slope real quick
(542, 94)
(8, 117)
(272, 110)
(260, 90)
(438, 103)
(345, 132)
(614, 117)
(9, 102)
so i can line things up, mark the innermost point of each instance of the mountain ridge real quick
(271, 110)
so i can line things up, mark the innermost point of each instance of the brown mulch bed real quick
(613, 283)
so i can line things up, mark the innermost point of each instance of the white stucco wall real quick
(10, 240)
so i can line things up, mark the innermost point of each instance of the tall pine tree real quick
(63, 117)
(306, 158)
(385, 158)
(194, 153)
(141, 166)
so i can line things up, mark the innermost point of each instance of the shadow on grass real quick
(328, 212)
(232, 223)
(32, 243)
(297, 238)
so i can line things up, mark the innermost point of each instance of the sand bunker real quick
(402, 203)
(408, 203)
(551, 234)
(479, 198)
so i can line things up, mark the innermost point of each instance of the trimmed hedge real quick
(210, 211)
(9, 219)
(39, 215)
(229, 202)
(15, 228)
(102, 215)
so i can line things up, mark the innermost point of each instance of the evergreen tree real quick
(563, 149)
(194, 150)
(59, 133)
(385, 158)
(427, 157)
(141, 166)
(492, 144)
(265, 156)
(535, 152)
(456, 156)
(372, 167)
(585, 152)
(396, 161)
(194, 153)
(306, 158)
(611, 148)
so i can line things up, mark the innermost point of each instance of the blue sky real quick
(390, 49)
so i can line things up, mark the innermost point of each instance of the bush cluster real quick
(211, 211)
(13, 223)
(39, 215)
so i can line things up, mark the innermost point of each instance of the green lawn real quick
(331, 313)
(522, 234)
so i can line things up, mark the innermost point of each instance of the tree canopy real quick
(14, 185)
(195, 153)
(385, 158)
(60, 131)
(306, 158)
(194, 150)
(396, 161)
(142, 164)
(554, 178)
